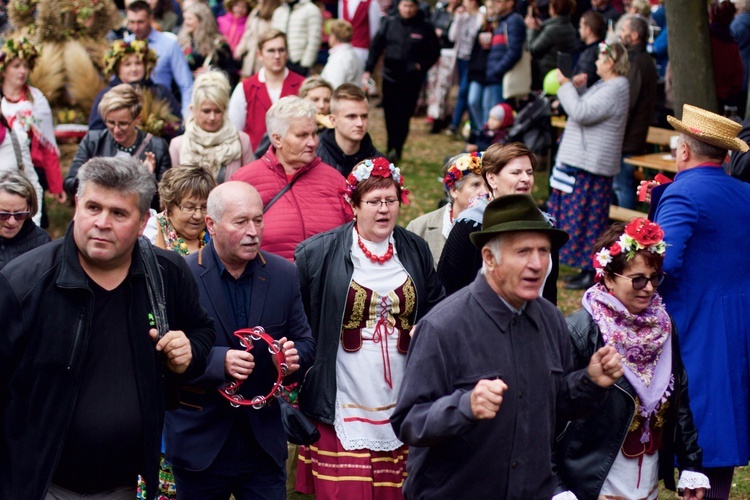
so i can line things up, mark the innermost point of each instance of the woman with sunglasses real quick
(589, 158)
(18, 203)
(631, 441)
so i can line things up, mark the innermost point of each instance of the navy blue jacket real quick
(505, 53)
(196, 431)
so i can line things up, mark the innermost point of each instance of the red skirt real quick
(327, 470)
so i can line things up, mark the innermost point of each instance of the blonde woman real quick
(202, 43)
(210, 138)
(121, 110)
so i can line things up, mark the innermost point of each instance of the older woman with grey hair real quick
(210, 138)
(18, 204)
(462, 180)
(121, 110)
(302, 195)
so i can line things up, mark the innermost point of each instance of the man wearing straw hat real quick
(490, 368)
(705, 214)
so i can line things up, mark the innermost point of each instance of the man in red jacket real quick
(252, 99)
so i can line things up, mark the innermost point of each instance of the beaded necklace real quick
(374, 258)
(174, 241)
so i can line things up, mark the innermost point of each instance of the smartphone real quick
(565, 64)
(530, 11)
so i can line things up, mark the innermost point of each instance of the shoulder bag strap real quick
(142, 147)
(16, 149)
(155, 286)
(280, 194)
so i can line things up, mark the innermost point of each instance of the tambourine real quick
(248, 336)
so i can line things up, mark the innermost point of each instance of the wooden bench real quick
(624, 214)
(657, 136)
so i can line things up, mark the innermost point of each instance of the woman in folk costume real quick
(364, 285)
(633, 439)
(210, 138)
(132, 62)
(30, 136)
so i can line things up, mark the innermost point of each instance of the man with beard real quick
(217, 450)
(348, 142)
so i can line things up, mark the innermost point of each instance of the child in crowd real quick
(232, 24)
(494, 131)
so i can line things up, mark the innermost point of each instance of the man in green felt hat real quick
(489, 371)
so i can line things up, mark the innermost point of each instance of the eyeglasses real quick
(604, 48)
(639, 283)
(189, 210)
(120, 125)
(15, 215)
(279, 51)
(379, 203)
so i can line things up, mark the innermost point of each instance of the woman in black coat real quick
(121, 109)
(628, 444)
(18, 204)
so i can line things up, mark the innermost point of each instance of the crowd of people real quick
(235, 264)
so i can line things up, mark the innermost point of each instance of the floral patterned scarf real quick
(642, 339)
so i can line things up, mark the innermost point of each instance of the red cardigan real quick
(314, 203)
(258, 103)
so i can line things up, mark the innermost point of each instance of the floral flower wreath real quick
(378, 167)
(640, 234)
(467, 162)
(120, 49)
(20, 48)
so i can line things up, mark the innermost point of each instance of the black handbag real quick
(299, 430)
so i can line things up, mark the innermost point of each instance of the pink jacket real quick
(314, 203)
(232, 28)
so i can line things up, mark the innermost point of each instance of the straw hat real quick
(515, 212)
(709, 128)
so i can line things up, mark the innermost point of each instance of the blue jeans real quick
(624, 185)
(482, 98)
(462, 101)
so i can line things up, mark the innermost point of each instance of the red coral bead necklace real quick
(374, 258)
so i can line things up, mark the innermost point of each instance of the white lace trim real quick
(363, 443)
(690, 480)
(565, 495)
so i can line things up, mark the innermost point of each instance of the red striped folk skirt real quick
(327, 470)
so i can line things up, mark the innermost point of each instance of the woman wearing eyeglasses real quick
(364, 285)
(181, 226)
(630, 443)
(18, 203)
(121, 110)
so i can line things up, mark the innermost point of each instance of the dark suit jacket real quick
(197, 430)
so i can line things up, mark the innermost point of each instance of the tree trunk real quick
(690, 55)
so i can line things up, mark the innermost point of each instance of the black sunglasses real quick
(639, 283)
(16, 215)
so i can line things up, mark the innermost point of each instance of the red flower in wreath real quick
(644, 231)
(381, 168)
(615, 249)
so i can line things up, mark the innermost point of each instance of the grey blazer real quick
(430, 227)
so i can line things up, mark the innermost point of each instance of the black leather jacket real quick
(584, 453)
(325, 268)
(101, 143)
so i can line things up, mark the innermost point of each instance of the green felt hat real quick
(515, 212)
